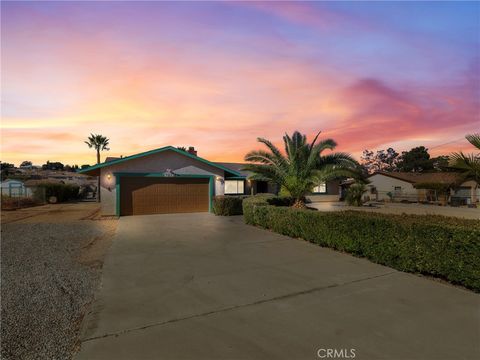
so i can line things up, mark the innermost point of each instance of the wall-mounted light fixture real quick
(109, 176)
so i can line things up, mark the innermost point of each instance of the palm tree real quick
(302, 167)
(100, 143)
(468, 164)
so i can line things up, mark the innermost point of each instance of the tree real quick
(468, 164)
(26, 164)
(301, 167)
(415, 160)
(382, 160)
(6, 169)
(99, 143)
(55, 165)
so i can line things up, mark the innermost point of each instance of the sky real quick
(217, 75)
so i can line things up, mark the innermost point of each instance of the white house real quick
(407, 186)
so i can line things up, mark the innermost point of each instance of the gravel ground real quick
(46, 286)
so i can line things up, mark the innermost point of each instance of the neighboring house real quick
(326, 191)
(403, 186)
(15, 188)
(168, 180)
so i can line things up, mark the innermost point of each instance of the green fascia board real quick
(235, 178)
(159, 150)
(118, 175)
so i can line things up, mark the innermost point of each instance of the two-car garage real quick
(163, 195)
(160, 181)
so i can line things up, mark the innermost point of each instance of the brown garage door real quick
(150, 195)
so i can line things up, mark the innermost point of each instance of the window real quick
(321, 188)
(234, 187)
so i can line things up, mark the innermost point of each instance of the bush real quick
(355, 193)
(11, 203)
(439, 246)
(228, 205)
(63, 192)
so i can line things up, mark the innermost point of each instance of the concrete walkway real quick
(197, 286)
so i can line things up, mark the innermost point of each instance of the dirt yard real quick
(397, 208)
(51, 262)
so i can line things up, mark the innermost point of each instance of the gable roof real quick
(156, 151)
(235, 166)
(417, 178)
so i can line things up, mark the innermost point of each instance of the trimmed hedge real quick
(439, 246)
(226, 205)
(63, 192)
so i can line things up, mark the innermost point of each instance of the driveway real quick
(196, 286)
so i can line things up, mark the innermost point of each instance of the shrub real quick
(11, 203)
(355, 193)
(439, 246)
(225, 205)
(63, 192)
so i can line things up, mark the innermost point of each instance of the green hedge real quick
(439, 246)
(63, 192)
(227, 205)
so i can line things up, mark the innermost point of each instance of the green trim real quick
(236, 178)
(117, 195)
(155, 151)
(119, 175)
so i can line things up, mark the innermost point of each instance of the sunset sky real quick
(218, 75)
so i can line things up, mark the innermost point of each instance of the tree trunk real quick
(98, 179)
(299, 204)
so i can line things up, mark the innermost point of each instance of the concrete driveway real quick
(196, 286)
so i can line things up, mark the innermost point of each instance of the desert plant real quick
(355, 193)
(301, 167)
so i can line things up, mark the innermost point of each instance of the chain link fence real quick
(16, 197)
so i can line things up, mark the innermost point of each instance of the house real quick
(167, 180)
(15, 188)
(406, 186)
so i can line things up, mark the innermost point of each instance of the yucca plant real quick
(355, 193)
(301, 167)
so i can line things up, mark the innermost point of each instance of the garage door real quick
(150, 195)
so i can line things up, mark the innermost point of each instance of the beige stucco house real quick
(409, 186)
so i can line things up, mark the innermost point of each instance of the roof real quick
(235, 167)
(417, 178)
(156, 151)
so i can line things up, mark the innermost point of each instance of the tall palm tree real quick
(301, 167)
(468, 164)
(99, 143)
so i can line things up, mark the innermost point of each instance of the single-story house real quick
(170, 180)
(399, 186)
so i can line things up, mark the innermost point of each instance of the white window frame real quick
(316, 189)
(240, 187)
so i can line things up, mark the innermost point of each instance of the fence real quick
(422, 196)
(22, 196)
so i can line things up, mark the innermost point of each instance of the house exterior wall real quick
(155, 163)
(385, 184)
(332, 193)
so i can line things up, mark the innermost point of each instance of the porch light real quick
(109, 176)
